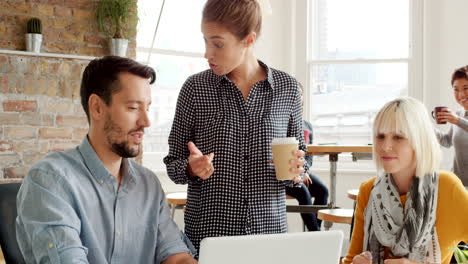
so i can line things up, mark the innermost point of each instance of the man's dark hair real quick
(101, 78)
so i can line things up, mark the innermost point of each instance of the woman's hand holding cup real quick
(446, 115)
(297, 164)
(199, 165)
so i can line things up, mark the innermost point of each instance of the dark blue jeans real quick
(304, 194)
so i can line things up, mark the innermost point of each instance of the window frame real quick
(306, 11)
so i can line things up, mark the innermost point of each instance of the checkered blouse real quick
(243, 195)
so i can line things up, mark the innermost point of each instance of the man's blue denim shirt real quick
(70, 210)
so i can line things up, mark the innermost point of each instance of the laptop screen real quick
(306, 247)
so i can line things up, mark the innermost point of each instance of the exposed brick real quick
(45, 10)
(43, 66)
(21, 146)
(52, 87)
(19, 106)
(64, 107)
(93, 51)
(83, 4)
(58, 26)
(31, 158)
(35, 119)
(93, 39)
(3, 63)
(32, 86)
(62, 133)
(76, 73)
(71, 121)
(4, 84)
(6, 146)
(15, 172)
(56, 2)
(78, 108)
(20, 132)
(69, 36)
(26, 146)
(54, 67)
(10, 118)
(63, 145)
(79, 133)
(9, 160)
(75, 86)
(60, 11)
(33, 69)
(19, 65)
(64, 69)
(15, 83)
(2, 29)
(81, 14)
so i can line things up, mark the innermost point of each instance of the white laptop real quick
(307, 247)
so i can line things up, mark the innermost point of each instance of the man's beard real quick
(122, 149)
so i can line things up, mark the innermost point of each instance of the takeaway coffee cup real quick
(438, 109)
(282, 149)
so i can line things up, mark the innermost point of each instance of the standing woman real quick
(226, 118)
(457, 136)
(411, 213)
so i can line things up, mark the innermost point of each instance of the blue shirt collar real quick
(97, 168)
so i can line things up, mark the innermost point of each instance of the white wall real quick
(445, 48)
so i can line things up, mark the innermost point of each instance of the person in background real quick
(225, 120)
(93, 203)
(457, 135)
(310, 186)
(412, 212)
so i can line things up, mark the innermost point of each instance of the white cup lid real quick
(284, 141)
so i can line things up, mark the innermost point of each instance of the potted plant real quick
(34, 35)
(117, 19)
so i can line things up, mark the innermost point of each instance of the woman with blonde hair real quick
(412, 212)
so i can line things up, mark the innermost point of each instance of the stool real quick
(176, 200)
(352, 194)
(288, 197)
(330, 216)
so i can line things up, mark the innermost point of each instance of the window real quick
(175, 52)
(361, 55)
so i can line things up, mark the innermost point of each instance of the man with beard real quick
(93, 204)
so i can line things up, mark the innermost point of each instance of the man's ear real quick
(96, 107)
(250, 39)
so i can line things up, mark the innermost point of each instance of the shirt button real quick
(101, 181)
(51, 245)
(119, 233)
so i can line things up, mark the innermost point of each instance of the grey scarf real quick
(408, 232)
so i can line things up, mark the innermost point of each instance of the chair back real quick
(8, 191)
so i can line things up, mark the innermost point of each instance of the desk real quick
(176, 201)
(358, 152)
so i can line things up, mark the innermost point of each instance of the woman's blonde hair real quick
(408, 117)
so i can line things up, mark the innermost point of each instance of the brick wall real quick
(40, 108)
(68, 26)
